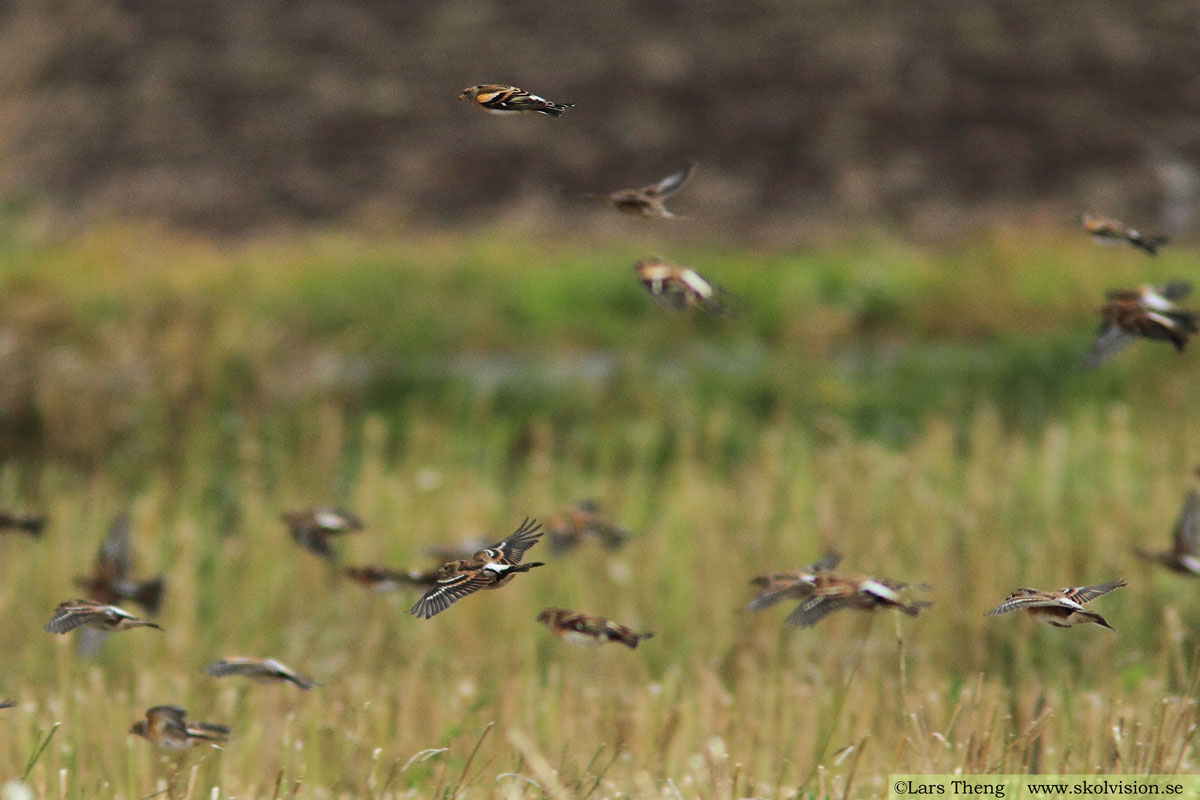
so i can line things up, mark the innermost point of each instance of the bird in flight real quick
(313, 527)
(795, 585)
(489, 568)
(587, 629)
(167, 727)
(1107, 231)
(1061, 608)
(1183, 556)
(583, 520)
(26, 523)
(678, 287)
(648, 201)
(1147, 311)
(496, 98)
(72, 614)
(261, 670)
(110, 580)
(832, 593)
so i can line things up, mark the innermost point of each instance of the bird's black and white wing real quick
(519, 541)
(449, 590)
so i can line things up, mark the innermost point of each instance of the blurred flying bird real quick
(261, 670)
(1146, 311)
(831, 593)
(72, 614)
(312, 527)
(795, 585)
(647, 201)
(8, 704)
(382, 579)
(680, 287)
(496, 98)
(583, 520)
(167, 727)
(489, 568)
(1109, 230)
(1183, 556)
(1061, 608)
(464, 548)
(26, 523)
(586, 629)
(110, 580)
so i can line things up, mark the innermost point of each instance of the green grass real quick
(919, 411)
(876, 332)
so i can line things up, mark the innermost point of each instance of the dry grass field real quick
(919, 412)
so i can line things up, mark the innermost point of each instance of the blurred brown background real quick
(235, 116)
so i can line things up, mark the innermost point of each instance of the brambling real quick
(72, 614)
(1147, 311)
(382, 579)
(312, 527)
(496, 98)
(831, 593)
(680, 287)
(489, 568)
(1061, 608)
(586, 629)
(260, 670)
(647, 201)
(1109, 230)
(1183, 556)
(167, 727)
(26, 523)
(795, 585)
(583, 520)
(110, 580)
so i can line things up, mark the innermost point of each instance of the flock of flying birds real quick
(1147, 311)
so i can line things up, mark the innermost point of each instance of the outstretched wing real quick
(827, 562)
(226, 667)
(519, 541)
(1018, 601)
(670, 183)
(815, 609)
(780, 591)
(439, 598)
(1111, 340)
(90, 641)
(1188, 526)
(115, 558)
(1085, 594)
(167, 714)
(69, 616)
